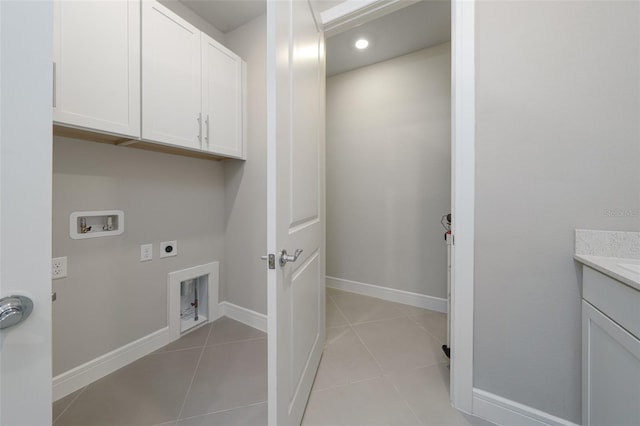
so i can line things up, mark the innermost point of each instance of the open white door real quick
(26, 34)
(295, 206)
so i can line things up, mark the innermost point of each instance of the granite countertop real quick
(611, 266)
(614, 253)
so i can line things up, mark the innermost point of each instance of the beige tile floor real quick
(382, 365)
(216, 375)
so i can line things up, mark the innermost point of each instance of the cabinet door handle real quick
(199, 127)
(54, 85)
(206, 137)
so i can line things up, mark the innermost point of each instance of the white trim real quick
(351, 13)
(272, 193)
(502, 411)
(463, 201)
(173, 294)
(246, 316)
(87, 373)
(344, 9)
(437, 304)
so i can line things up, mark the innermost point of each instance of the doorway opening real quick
(342, 19)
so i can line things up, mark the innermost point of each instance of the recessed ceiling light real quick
(362, 43)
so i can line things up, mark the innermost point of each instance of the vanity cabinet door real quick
(610, 371)
(96, 69)
(170, 78)
(222, 99)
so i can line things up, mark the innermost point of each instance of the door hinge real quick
(271, 260)
(449, 238)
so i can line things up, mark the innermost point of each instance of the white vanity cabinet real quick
(192, 86)
(96, 69)
(610, 351)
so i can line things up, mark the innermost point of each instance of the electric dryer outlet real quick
(168, 248)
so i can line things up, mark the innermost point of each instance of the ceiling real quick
(227, 15)
(418, 26)
(421, 25)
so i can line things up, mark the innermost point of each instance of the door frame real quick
(351, 13)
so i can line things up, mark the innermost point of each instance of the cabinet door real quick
(222, 99)
(96, 51)
(170, 78)
(610, 371)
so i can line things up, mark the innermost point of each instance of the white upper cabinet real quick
(135, 69)
(171, 100)
(192, 86)
(222, 99)
(96, 68)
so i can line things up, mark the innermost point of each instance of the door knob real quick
(14, 310)
(284, 257)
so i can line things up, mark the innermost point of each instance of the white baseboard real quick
(391, 294)
(502, 411)
(87, 373)
(246, 316)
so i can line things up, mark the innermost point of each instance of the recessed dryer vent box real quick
(96, 224)
(194, 298)
(188, 289)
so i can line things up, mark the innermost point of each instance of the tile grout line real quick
(344, 385)
(359, 339)
(70, 403)
(412, 318)
(226, 409)
(401, 314)
(382, 319)
(358, 336)
(382, 371)
(404, 315)
(386, 375)
(193, 377)
(336, 305)
(395, 388)
(250, 339)
(406, 403)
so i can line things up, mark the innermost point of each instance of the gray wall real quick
(245, 275)
(558, 146)
(110, 298)
(388, 172)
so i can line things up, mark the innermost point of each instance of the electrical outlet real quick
(168, 248)
(146, 252)
(58, 267)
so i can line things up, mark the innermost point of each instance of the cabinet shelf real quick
(119, 140)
